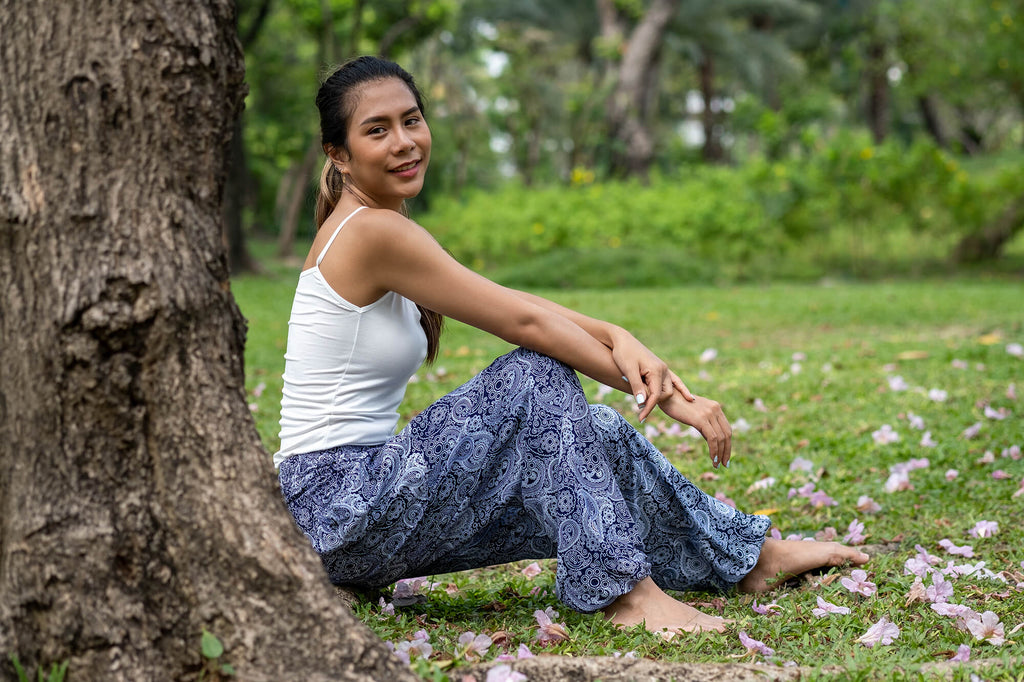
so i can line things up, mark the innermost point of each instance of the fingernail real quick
(715, 461)
(640, 398)
(727, 464)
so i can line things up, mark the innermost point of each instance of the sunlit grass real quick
(819, 358)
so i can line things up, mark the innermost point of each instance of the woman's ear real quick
(338, 157)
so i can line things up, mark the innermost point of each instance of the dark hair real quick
(336, 102)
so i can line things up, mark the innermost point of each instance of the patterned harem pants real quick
(513, 465)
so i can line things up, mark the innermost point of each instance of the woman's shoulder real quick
(381, 227)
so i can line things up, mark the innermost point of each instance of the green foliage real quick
(212, 649)
(848, 200)
(57, 673)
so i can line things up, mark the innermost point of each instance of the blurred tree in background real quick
(909, 112)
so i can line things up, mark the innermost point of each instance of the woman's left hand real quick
(649, 377)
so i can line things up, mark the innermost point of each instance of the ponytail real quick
(331, 186)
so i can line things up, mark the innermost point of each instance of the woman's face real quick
(388, 145)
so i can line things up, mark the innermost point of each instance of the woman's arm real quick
(385, 252)
(630, 355)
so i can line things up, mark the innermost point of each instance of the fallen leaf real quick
(912, 355)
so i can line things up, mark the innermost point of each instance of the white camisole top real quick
(346, 366)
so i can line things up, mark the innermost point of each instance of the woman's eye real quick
(412, 121)
(376, 131)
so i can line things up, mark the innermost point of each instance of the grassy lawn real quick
(808, 374)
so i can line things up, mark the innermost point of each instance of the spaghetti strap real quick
(336, 231)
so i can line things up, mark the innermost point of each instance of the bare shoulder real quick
(379, 228)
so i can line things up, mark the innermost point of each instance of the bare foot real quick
(659, 612)
(783, 559)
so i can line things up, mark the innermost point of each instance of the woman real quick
(512, 465)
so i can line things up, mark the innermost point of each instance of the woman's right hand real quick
(707, 417)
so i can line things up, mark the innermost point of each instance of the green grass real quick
(852, 338)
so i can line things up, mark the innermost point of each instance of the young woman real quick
(512, 465)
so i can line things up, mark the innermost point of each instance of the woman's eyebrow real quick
(379, 119)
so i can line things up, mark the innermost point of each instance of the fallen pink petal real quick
(987, 627)
(532, 571)
(883, 632)
(825, 608)
(766, 609)
(984, 529)
(885, 435)
(866, 505)
(963, 550)
(755, 646)
(504, 673)
(855, 533)
(962, 655)
(972, 430)
(858, 583)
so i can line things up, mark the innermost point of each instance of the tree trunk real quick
(299, 184)
(137, 506)
(236, 191)
(878, 92)
(712, 151)
(988, 242)
(633, 151)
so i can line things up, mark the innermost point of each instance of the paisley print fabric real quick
(514, 465)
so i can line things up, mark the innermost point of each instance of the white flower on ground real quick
(939, 591)
(927, 441)
(938, 395)
(761, 484)
(766, 609)
(882, 632)
(984, 529)
(801, 464)
(548, 630)
(885, 435)
(866, 505)
(825, 608)
(741, 425)
(951, 474)
(971, 431)
(473, 643)
(998, 415)
(899, 480)
(855, 533)
(858, 583)
(962, 655)
(754, 646)
(896, 383)
(1015, 349)
(962, 550)
(987, 627)
(386, 608)
(504, 673)
(708, 355)
(916, 422)
(532, 571)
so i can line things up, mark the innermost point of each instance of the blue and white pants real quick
(513, 465)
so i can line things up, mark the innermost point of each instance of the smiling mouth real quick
(406, 166)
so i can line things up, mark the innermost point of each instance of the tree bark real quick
(878, 92)
(299, 180)
(712, 151)
(628, 106)
(988, 242)
(236, 192)
(137, 506)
